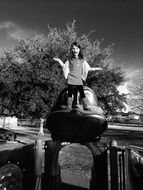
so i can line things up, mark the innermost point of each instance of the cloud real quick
(135, 73)
(20, 34)
(7, 25)
(13, 31)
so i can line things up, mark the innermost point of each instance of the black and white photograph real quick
(71, 95)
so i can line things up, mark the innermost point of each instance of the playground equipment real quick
(76, 125)
(35, 166)
(17, 170)
(11, 177)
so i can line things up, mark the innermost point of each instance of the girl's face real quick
(75, 50)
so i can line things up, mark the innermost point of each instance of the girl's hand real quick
(97, 69)
(56, 59)
(59, 60)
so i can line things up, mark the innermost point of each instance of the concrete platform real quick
(125, 127)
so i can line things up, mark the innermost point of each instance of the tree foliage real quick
(135, 87)
(31, 80)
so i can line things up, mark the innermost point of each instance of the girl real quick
(75, 71)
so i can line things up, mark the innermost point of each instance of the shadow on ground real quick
(71, 187)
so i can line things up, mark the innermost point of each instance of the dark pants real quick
(74, 89)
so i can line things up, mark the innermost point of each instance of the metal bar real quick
(123, 162)
(113, 168)
(120, 170)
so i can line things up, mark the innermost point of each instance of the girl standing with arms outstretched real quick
(75, 71)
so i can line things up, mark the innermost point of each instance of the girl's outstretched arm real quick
(87, 67)
(59, 60)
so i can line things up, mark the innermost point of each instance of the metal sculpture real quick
(76, 125)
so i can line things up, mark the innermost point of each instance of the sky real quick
(118, 22)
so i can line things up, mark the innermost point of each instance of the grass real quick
(77, 159)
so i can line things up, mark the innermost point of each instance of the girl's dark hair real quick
(71, 55)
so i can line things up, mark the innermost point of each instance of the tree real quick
(135, 87)
(31, 80)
